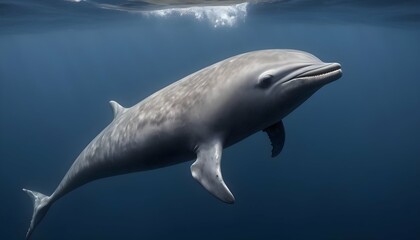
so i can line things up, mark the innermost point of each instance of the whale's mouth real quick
(325, 74)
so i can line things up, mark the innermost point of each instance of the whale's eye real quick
(265, 81)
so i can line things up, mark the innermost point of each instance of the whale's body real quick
(195, 118)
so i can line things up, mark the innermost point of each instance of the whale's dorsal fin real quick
(117, 108)
(206, 170)
(277, 137)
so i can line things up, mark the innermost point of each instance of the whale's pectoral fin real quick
(206, 170)
(277, 136)
(117, 108)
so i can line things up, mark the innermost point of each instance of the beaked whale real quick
(195, 118)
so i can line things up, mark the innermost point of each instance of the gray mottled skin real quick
(195, 118)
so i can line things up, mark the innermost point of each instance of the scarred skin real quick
(195, 118)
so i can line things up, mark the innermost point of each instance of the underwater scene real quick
(119, 117)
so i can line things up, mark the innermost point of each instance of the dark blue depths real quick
(349, 169)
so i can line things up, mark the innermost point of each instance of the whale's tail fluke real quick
(41, 205)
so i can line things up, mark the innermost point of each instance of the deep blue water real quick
(350, 168)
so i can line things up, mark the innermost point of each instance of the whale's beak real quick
(323, 74)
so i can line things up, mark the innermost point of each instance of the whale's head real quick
(278, 81)
(286, 78)
(289, 69)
